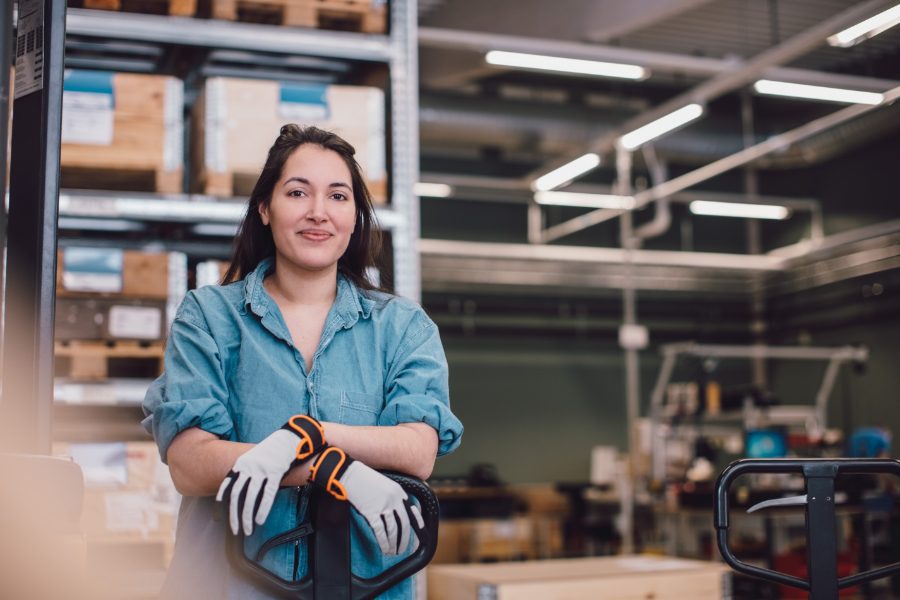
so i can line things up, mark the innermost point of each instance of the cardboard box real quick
(614, 578)
(129, 497)
(122, 131)
(239, 119)
(109, 319)
(109, 272)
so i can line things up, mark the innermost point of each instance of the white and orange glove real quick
(380, 500)
(249, 488)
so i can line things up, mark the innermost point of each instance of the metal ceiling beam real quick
(748, 155)
(658, 62)
(740, 75)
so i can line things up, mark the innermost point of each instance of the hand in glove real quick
(249, 488)
(379, 499)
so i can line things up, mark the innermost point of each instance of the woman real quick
(298, 338)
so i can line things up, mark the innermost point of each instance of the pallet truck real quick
(819, 501)
(328, 576)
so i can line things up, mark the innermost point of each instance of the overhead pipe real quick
(718, 167)
(540, 130)
(662, 218)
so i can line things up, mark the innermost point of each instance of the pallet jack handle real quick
(819, 473)
(329, 576)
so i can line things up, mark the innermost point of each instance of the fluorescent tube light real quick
(663, 125)
(566, 173)
(867, 29)
(816, 92)
(738, 209)
(432, 190)
(584, 200)
(559, 64)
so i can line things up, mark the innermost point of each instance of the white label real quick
(376, 163)
(102, 464)
(300, 112)
(139, 322)
(87, 118)
(130, 511)
(30, 47)
(92, 269)
(173, 148)
(215, 154)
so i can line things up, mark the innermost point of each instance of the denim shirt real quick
(232, 369)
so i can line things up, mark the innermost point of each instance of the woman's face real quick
(312, 212)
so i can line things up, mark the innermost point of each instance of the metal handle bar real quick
(815, 467)
(359, 588)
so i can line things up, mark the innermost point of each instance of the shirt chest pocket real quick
(358, 408)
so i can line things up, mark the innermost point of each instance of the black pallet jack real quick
(823, 582)
(328, 530)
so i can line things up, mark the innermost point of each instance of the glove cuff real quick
(311, 434)
(328, 468)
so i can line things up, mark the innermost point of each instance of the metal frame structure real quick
(27, 397)
(398, 50)
(814, 415)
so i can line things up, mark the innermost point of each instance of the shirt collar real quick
(350, 302)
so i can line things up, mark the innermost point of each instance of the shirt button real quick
(309, 385)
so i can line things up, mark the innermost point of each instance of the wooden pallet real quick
(122, 179)
(179, 8)
(93, 361)
(346, 15)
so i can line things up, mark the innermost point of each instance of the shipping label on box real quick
(88, 108)
(92, 269)
(303, 103)
(135, 322)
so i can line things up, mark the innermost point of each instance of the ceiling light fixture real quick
(661, 126)
(866, 29)
(432, 190)
(584, 200)
(739, 209)
(559, 64)
(816, 92)
(566, 173)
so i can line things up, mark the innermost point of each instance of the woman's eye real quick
(339, 196)
(296, 193)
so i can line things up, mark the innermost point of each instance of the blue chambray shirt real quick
(232, 369)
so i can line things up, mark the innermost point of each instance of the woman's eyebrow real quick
(305, 181)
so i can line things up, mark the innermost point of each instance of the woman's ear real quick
(263, 209)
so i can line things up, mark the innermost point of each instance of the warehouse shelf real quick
(185, 208)
(214, 33)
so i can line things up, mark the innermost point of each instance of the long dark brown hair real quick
(254, 240)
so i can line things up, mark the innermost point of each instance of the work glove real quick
(249, 488)
(380, 500)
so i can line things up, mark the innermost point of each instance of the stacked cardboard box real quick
(365, 16)
(129, 512)
(238, 120)
(122, 131)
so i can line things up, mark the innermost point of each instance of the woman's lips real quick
(315, 236)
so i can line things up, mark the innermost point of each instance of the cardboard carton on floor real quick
(613, 577)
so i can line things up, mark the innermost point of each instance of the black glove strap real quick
(311, 434)
(328, 468)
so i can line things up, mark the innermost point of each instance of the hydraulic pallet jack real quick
(823, 582)
(328, 533)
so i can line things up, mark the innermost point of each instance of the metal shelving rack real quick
(398, 51)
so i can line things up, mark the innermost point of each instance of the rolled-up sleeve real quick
(417, 387)
(192, 391)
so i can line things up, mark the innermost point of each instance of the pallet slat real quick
(96, 361)
(346, 15)
(180, 8)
